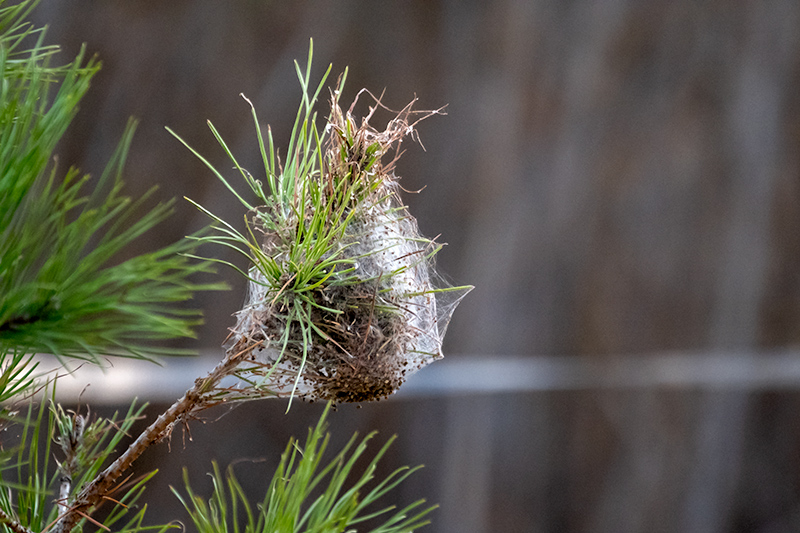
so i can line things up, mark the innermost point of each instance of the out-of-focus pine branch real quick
(61, 290)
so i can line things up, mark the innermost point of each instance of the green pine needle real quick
(345, 493)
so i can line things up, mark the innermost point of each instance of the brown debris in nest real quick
(362, 359)
(356, 356)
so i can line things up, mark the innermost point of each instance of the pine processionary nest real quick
(373, 315)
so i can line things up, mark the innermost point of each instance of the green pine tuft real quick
(307, 494)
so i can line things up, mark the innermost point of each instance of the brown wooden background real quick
(614, 177)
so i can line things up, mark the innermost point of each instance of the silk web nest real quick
(343, 300)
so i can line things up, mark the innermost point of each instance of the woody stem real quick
(102, 484)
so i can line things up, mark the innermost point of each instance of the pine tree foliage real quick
(291, 503)
(61, 289)
(67, 287)
(57, 452)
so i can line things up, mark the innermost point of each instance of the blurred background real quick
(619, 180)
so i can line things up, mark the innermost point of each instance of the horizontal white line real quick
(125, 379)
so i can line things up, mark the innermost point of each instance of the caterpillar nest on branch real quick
(345, 307)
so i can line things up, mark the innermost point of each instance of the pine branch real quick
(193, 400)
(61, 290)
(339, 275)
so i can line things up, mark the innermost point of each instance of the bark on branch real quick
(192, 400)
(11, 524)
